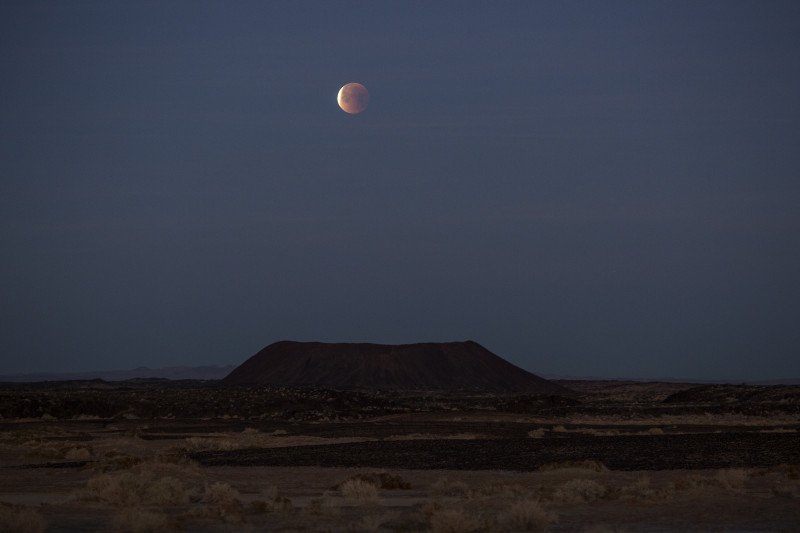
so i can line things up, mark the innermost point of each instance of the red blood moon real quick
(353, 98)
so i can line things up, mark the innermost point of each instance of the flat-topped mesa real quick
(423, 366)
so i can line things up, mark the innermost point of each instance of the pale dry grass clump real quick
(249, 438)
(55, 452)
(360, 490)
(272, 502)
(114, 460)
(434, 436)
(278, 504)
(732, 478)
(604, 432)
(17, 519)
(453, 520)
(325, 506)
(786, 489)
(581, 490)
(496, 488)
(372, 523)
(594, 466)
(222, 501)
(641, 491)
(444, 488)
(78, 453)
(382, 480)
(141, 521)
(536, 433)
(135, 488)
(526, 514)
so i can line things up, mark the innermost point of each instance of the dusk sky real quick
(585, 188)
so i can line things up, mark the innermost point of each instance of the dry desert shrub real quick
(580, 490)
(452, 520)
(372, 523)
(222, 501)
(359, 489)
(525, 515)
(134, 489)
(248, 438)
(692, 481)
(790, 471)
(140, 521)
(114, 460)
(272, 502)
(434, 436)
(323, 506)
(732, 478)
(594, 466)
(66, 452)
(495, 488)
(727, 479)
(786, 490)
(603, 432)
(641, 491)
(78, 453)
(277, 504)
(382, 480)
(444, 488)
(15, 519)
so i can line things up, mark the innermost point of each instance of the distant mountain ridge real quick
(208, 372)
(423, 366)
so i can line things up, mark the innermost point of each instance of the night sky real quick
(584, 188)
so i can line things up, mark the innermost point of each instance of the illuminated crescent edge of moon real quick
(339, 98)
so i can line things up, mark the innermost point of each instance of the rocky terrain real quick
(159, 455)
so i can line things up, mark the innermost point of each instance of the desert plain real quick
(159, 455)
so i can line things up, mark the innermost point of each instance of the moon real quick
(353, 98)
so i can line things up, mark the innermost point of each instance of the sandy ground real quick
(138, 457)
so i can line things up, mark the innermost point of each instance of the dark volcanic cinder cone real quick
(445, 366)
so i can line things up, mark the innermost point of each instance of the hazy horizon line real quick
(212, 372)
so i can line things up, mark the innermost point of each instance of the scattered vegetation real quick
(360, 490)
(272, 502)
(453, 520)
(141, 521)
(444, 488)
(325, 506)
(141, 480)
(223, 501)
(20, 519)
(142, 487)
(382, 480)
(581, 490)
(594, 466)
(526, 514)
(372, 523)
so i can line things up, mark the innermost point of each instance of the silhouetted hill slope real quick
(450, 365)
